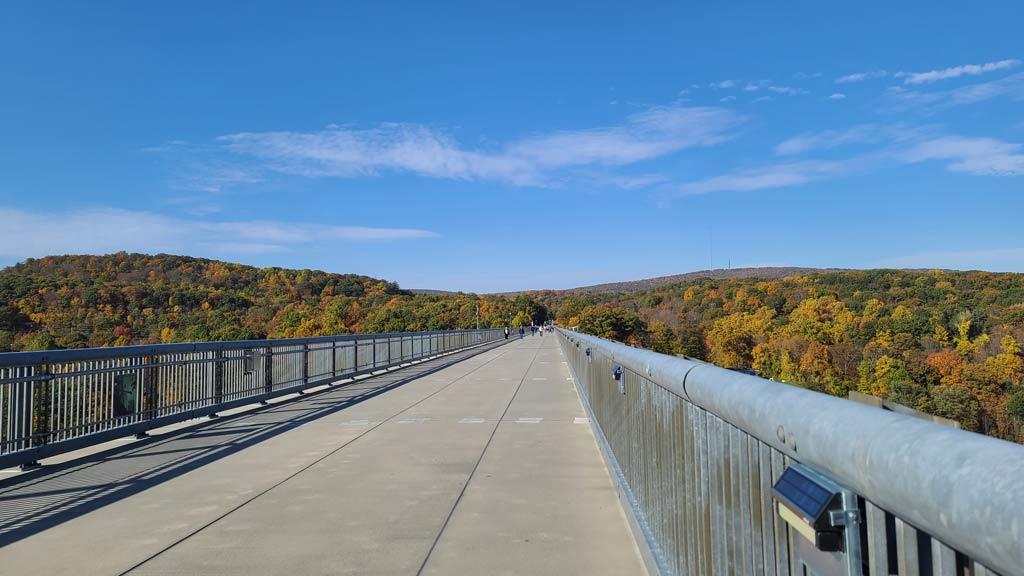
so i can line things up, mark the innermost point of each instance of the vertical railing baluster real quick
(218, 376)
(305, 365)
(41, 409)
(268, 370)
(334, 359)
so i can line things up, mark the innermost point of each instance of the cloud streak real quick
(978, 156)
(536, 160)
(1010, 86)
(766, 177)
(787, 90)
(861, 76)
(828, 139)
(956, 72)
(104, 230)
(902, 145)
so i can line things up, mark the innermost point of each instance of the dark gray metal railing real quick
(60, 400)
(700, 447)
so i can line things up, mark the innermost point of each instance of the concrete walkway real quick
(487, 466)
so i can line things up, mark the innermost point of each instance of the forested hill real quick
(947, 343)
(120, 299)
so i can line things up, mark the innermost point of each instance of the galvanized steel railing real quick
(60, 400)
(700, 447)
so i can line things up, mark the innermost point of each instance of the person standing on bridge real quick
(521, 332)
(506, 332)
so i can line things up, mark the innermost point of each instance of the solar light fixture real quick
(821, 511)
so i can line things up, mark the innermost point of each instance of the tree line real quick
(93, 301)
(945, 343)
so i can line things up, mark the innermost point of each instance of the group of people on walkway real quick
(534, 331)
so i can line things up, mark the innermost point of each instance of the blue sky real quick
(496, 146)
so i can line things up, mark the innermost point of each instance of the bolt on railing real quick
(700, 448)
(60, 400)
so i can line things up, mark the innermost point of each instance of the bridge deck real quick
(485, 466)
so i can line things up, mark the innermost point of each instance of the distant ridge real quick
(769, 273)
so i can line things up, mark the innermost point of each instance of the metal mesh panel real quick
(54, 401)
(702, 487)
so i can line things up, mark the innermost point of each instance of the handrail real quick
(8, 359)
(55, 401)
(962, 488)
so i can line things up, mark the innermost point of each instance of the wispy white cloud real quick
(761, 99)
(787, 90)
(768, 177)
(758, 85)
(861, 76)
(807, 75)
(105, 230)
(634, 181)
(837, 96)
(858, 77)
(902, 145)
(728, 98)
(893, 136)
(534, 160)
(980, 156)
(1011, 86)
(956, 72)
(723, 84)
(828, 139)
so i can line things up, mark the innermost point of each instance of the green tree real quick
(958, 404)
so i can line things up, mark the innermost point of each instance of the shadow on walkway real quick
(31, 503)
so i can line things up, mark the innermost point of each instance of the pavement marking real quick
(529, 420)
(253, 498)
(538, 379)
(472, 421)
(472, 473)
(580, 420)
(569, 379)
(355, 423)
(414, 421)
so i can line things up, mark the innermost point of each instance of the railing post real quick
(268, 371)
(305, 364)
(147, 393)
(41, 408)
(149, 387)
(23, 413)
(24, 400)
(374, 346)
(218, 376)
(334, 359)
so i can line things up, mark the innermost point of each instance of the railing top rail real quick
(962, 488)
(8, 359)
